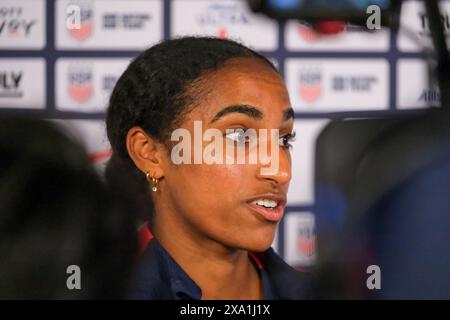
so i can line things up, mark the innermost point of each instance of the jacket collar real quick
(159, 277)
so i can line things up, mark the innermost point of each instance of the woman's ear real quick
(145, 152)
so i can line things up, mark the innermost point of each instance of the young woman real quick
(213, 223)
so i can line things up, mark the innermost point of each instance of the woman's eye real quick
(238, 136)
(242, 136)
(285, 141)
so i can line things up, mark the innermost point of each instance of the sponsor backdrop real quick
(53, 72)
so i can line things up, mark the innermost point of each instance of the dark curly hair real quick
(158, 88)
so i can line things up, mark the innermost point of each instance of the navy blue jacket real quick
(159, 277)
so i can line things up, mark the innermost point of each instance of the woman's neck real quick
(220, 272)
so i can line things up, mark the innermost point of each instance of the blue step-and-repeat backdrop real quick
(53, 71)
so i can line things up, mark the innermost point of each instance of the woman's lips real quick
(270, 214)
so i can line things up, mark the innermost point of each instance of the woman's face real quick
(217, 201)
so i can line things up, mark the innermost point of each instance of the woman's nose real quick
(279, 172)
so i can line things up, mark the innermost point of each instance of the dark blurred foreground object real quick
(354, 11)
(56, 212)
(383, 199)
(383, 195)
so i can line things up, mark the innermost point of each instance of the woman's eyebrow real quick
(246, 109)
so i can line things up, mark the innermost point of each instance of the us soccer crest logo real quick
(80, 85)
(306, 241)
(310, 85)
(86, 23)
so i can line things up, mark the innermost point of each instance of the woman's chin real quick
(258, 243)
(252, 239)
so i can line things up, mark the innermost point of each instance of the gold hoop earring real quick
(152, 180)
